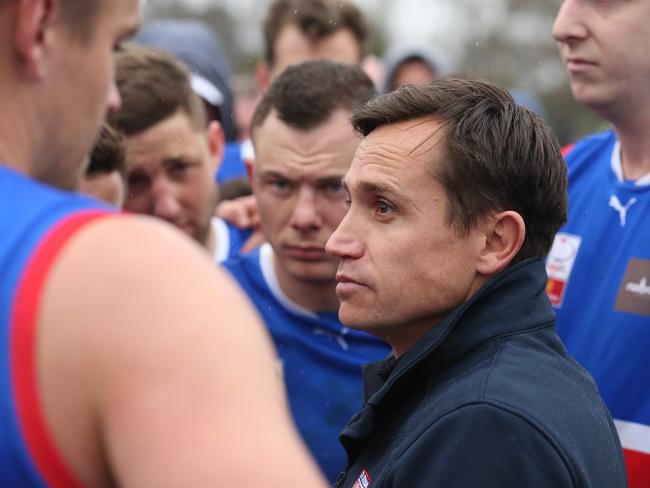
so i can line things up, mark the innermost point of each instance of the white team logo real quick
(634, 292)
(640, 288)
(616, 204)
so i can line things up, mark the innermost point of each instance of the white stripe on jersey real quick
(635, 437)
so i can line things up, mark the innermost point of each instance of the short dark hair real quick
(153, 86)
(305, 95)
(497, 155)
(109, 152)
(316, 19)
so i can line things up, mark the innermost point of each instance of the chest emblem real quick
(559, 265)
(634, 292)
(363, 481)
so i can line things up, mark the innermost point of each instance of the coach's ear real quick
(504, 236)
(34, 24)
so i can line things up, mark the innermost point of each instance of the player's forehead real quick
(322, 152)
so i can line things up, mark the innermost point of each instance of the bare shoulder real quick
(136, 262)
(137, 280)
(169, 360)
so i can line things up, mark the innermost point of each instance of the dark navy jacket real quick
(488, 398)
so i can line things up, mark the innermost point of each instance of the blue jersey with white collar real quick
(321, 359)
(599, 284)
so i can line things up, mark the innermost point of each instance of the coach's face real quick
(402, 266)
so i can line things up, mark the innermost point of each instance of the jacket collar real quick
(512, 302)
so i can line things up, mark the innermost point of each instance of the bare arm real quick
(177, 372)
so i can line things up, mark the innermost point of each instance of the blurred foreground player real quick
(113, 372)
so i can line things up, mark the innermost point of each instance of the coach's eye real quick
(383, 208)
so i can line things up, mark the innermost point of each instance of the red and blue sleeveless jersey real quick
(599, 285)
(36, 221)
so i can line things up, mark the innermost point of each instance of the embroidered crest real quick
(363, 481)
(634, 292)
(559, 264)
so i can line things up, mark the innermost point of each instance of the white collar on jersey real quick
(617, 167)
(221, 240)
(271, 278)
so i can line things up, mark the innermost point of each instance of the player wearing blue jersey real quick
(171, 157)
(599, 266)
(113, 371)
(304, 145)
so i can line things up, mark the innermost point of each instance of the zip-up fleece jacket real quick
(488, 398)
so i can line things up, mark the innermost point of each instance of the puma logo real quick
(616, 204)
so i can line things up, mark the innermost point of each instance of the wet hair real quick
(305, 95)
(316, 19)
(153, 86)
(495, 155)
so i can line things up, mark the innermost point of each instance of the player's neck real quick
(17, 140)
(315, 296)
(635, 150)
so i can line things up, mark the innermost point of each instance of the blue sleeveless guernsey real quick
(36, 221)
(321, 359)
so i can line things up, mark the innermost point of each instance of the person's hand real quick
(241, 212)
(256, 239)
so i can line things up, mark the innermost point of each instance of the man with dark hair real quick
(414, 62)
(197, 45)
(171, 158)
(105, 175)
(455, 195)
(304, 145)
(114, 371)
(300, 30)
(599, 266)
